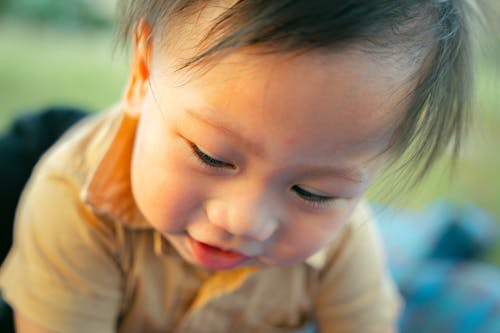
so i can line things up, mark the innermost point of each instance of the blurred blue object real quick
(443, 230)
(471, 233)
(434, 257)
(454, 297)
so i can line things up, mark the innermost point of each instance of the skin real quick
(283, 130)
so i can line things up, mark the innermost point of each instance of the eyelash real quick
(315, 200)
(209, 161)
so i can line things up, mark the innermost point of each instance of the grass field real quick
(42, 66)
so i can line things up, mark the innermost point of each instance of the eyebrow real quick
(254, 147)
(353, 175)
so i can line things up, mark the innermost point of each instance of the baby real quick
(224, 193)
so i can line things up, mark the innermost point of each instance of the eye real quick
(312, 198)
(208, 160)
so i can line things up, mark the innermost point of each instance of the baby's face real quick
(262, 159)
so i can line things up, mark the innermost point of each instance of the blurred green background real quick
(61, 52)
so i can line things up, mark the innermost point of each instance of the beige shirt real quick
(85, 260)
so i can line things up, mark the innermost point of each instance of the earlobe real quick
(137, 85)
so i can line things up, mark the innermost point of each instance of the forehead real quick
(343, 100)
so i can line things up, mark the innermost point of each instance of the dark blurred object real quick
(6, 318)
(21, 146)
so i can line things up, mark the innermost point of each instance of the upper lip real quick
(223, 248)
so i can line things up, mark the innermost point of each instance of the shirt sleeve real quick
(62, 272)
(356, 292)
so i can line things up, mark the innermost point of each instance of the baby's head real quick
(262, 123)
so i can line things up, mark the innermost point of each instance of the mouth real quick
(214, 257)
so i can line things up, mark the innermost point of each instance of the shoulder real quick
(64, 265)
(75, 153)
(54, 188)
(51, 202)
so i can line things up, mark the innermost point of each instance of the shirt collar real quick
(108, 187)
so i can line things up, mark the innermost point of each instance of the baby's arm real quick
(62, 274)
(24, 325)
(356, 293)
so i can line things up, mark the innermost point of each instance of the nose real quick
(248, 219)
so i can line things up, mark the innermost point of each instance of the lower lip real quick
(215, 258)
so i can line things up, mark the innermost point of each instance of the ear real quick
(137, 85)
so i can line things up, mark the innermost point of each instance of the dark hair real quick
(434, 33)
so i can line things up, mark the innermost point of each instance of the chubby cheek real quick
(303, 235)
(164, 190)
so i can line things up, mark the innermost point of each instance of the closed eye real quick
(311, 197)
(209, 160)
